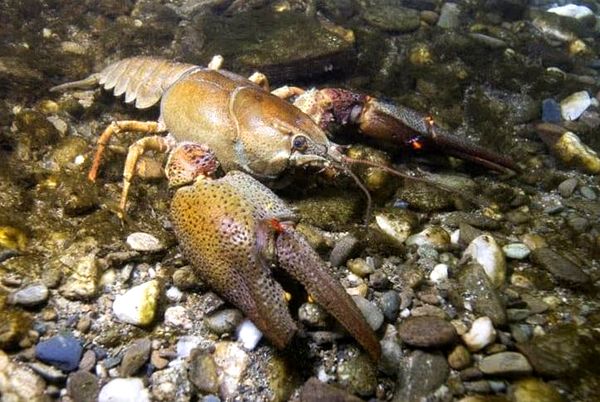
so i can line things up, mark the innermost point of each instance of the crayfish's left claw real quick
(395, 124)
(298, 259)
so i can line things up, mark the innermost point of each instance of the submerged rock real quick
(138, 305)
(63, 352)
(19, 383)
(124, 390)
(486, 252)
(420, 375)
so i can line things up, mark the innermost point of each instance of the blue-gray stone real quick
(551, 111)
(61, 351)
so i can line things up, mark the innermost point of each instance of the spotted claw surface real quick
(233, 229)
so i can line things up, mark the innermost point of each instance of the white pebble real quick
(248, 334)
(174, 294)
(516, 251)
(137, 306)
(486, 252)
(140, 241)
(124, 390)
(186, 344)
(574, 105)
(481, 334)
(572, 10)
(455, 236)
(439, 273)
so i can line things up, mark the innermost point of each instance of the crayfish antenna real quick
(364, 190)
(419, 176)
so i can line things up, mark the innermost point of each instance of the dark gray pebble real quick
(83, 386)
(135, 357)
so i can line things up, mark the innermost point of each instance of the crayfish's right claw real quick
(297, 258)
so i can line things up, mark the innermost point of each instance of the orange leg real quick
(137, 149)
(116, 127)
(260, 79)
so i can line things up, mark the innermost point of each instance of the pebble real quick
(231, 362)
(135, 357)
(533, 390)
(426, 332)
(449, 16)
(186, 344)
(157, 360)
(48, 373)
(315, 390)
(486, 252)
(391, 356)
(574, 105)
(83, 386)
(82, 284)
(140, 241)
(588, 193)
(61, 351)
(393, 18)
(124, 390)
(248, 334)
(420, 375)
(396, 228)
(567, 187)
(88, 361)
(390, 304)
(459, 358)
(174, 294)
(224, 321)
(479, 295)
(342, 250)
(203, 372)
(434, 236)
(312, 315)
(18, 382)
(573, 11)
(30, 296)
(481, 334)
(370, 311)
(357, 374)
(360, 267)
(516, 251)
(178, 317)
(439, 273)
(138, 305)
(505, 364)
(551, 111)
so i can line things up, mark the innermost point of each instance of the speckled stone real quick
(427, 332)
(505, 364)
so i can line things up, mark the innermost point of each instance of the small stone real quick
(434, 236)
(393, 18)
(312, 315)
(88, 361)
(573, 11)
(61, 351)
(533, 390)
(486, 252)
(370, 311)
(379, 280)
(396, 228)
(48, 373)
(391, 356)
(315, 390)
(420, 375)
(248, 334)
(82, 284)
(505, 364)
(574, 105)
(186, 344)
(567, 187)
(84, 324)
(224, 321)
(137, 306)
(124, 390)
(231, 362)
(140, 241)
(449, 16)
(427, 332)
(390, 304)
(82, 386)
(157, 360)
(203, 372)
(342, 250)
(135, 357)
(30, 296)
(588, 193)
(18, 382)
(174, 294)
(360, 267)
(551, 111)
(481, 334)
(459, 358)
(439, 273)
(357, 374)
(178, 317)
(516, 251)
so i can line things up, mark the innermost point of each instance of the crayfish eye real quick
(299, 142)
